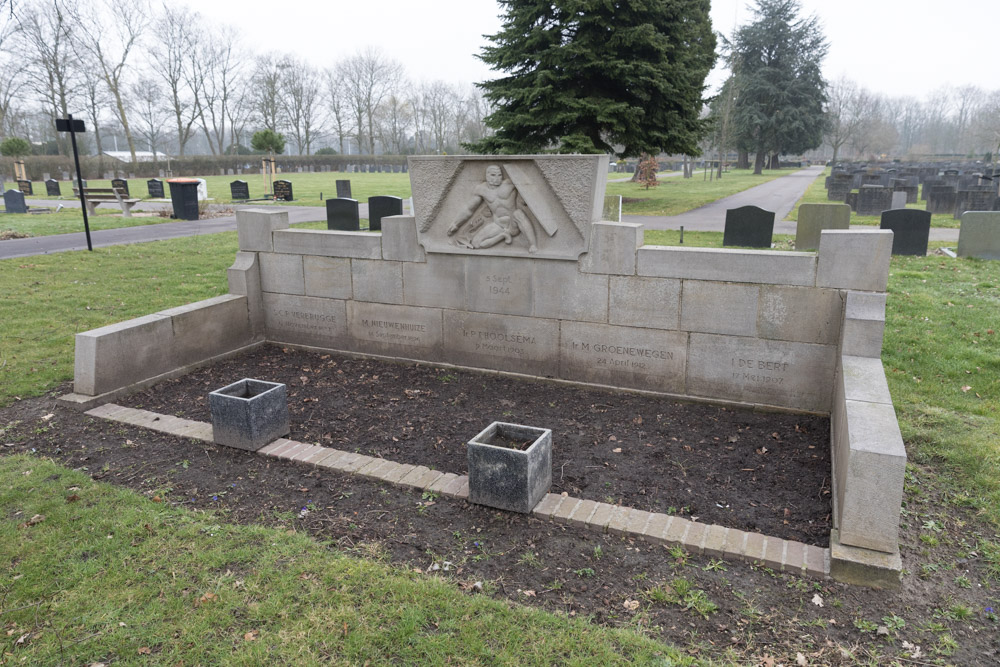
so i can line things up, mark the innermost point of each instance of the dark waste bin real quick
(184, 196)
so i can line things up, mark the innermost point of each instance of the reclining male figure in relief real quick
(505, 219)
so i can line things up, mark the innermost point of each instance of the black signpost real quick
(69, 124)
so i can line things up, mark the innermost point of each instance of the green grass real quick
(68, 221)
(305, 187)
(816, 194)
(677, 195)
(116, 578)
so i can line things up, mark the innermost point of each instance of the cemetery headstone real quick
(873, 199)
(13, 201)
(229, 172)
(898, 199)
(46, 176)
(382, 206)
(814, 218)
(283, 190)
(342, 215)
(344, 189)
(120, 184)
(840, 185)
(979, 235)
(972, 200)
(911, 230)
(25, 187)
(65, 175)
(941, 199)
(52, 188)
(202, 189)
(239, 190)
(108, 175)
(154, 187)
(749, 226)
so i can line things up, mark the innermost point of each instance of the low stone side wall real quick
(123, 354)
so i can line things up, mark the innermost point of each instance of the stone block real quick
(619, 520)
(437, 283)
(548, 505)
(714, 543)
(728, 265)
(677, 528)
(121, 354)
(637, 521)
(254, 227)
(566, 509)
(644, 302)
(863, 567)
(864, 324)
(800, 314)
(305, 320)
(395, 331)
(582, 513)
(282, 274)
(244, 279)
(601, 517)
(327, 277)
(814, 218)
(249, 414)
(863, 379)
(560, 291)
(869, 463)
(377, 280)
(654, 530)
(612, 248)
(501, 285)
(623, 356)
(359, 245)
(399, 239)
(517, 344)
(206, 329)
(723, 308)
(979, 235)
(854, 260)
(505, 476)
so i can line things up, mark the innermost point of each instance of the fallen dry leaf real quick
(73, 498)
(208, 597)
(529, 594)
(617, 450)
(818, 600)
(33, 521)
(966, 389)
(145, 650)
(251, 636)
(48, 417)
(631, 605)
(801, 660)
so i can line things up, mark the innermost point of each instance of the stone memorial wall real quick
(506, 266)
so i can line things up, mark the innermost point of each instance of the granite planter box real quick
(249, 414)
(510, 466)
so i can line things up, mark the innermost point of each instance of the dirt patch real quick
(761, 472)
(737, 612)
(9, 234)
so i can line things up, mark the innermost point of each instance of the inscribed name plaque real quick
(282, 190)
(121, 185)
(623, 356)
(25, 187)
(911, 230)
(516, 344)
(403, 331)
(239, 190)
(154, 187)
(52, 188)
(513, 206)
(748, 226)
(382, 206)
(342, 215)
(757, 371)
(304, 320)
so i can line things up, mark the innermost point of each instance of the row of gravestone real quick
(282, 189)
(342, 213)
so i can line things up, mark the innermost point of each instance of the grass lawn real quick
(816, 194)
(677, 195)
(69, 221)
(144, 582)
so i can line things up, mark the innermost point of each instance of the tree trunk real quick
(742, 160)
(775, 161)
(758, 163)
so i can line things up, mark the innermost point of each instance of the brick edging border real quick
(666, 529)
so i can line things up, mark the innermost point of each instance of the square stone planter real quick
(510, 466)
(249, 414)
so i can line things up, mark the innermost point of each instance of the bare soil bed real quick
(672, 455)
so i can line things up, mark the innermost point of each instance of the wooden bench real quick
(94, 197)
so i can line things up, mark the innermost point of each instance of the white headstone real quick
(899, 199)
(202, 189)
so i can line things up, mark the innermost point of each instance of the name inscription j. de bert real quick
(749, 370)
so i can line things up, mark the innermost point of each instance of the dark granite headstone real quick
(154, 187)
(344, 189)
(380, 207)
(120, 184)
(873, 199)
(282, 190)
(342, 215)
(13, 201)
(972, 200)
(239, 190)
(852, 200)
(749, 226)
(52, 188)
(840, 185)
(911, 230)
(25, 187)
(941, 199)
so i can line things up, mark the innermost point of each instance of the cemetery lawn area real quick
(138, 580)
(816, 194)
(305, 187)
(69, 221)
(676, 195)
(339, 562)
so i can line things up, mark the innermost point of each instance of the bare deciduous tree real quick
(300, 88)
(221, 70)
(267, 102)
(174, 55)
(147, 96)
(336, 100)
(369, 77)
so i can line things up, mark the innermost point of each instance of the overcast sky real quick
(898, 47)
